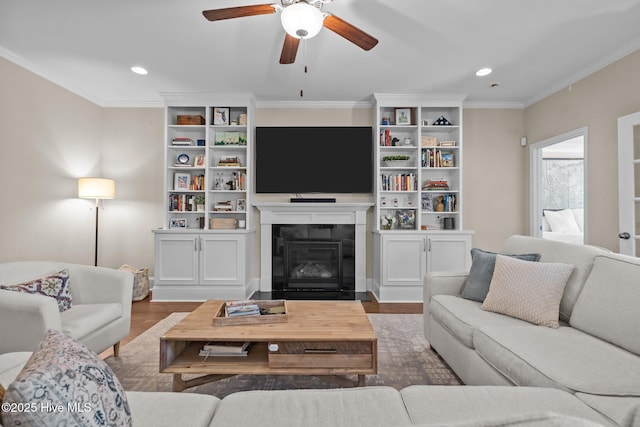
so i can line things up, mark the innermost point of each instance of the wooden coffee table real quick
(330, 339)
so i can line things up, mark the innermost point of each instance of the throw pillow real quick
(476, 285)
(64, 375)
(562, 221)
(526, 290)
(55, 285)
(2, 390)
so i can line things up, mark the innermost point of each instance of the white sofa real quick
(356, 407)
(594, 354)
(99, 318)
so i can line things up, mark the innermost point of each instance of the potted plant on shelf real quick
(199, 200)
(396, 161)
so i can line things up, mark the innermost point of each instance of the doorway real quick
(558, 187)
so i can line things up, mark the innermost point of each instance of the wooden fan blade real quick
(238, 12)
(349, 32)
(289, 49)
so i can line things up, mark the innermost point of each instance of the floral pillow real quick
(64, 374)
(55, 285)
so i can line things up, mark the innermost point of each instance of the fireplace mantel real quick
(313, 213)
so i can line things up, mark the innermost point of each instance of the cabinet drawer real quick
(310, 354)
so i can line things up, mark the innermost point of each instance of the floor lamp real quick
(98, 189)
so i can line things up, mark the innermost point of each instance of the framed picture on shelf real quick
(181, 181)
(198, 161)
(403, 116)
(407, 218)
(241, 205)
(220, 115)
(178, 223)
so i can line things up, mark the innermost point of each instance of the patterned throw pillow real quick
(73, 382)
(2, 390)
(526, 290)
(55, 285)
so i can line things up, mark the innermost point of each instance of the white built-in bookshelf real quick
(419, 196)
(204, 248)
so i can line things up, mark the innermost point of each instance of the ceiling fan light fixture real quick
(484, 72)
(302, 20)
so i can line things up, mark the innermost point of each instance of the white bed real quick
(564, 225)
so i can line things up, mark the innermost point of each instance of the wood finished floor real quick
(145, 313)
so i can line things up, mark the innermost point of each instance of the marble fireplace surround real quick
(313, 213)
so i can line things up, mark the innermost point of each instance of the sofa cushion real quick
(82, 319)
(172, 409)
(54, 285)
(63, 371)
(580, 256)
(623, 411)
(363, 406)
(11, 364)
(563, 358)
(476, 285)
(608, 305)
(528, 290)
(461, 316)
(529, 419)
(446, 404)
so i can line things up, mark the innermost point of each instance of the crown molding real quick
(616, 55)
(18, 60)
(498, 105)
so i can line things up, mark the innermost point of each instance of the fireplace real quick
(326, 248)
(313, 258)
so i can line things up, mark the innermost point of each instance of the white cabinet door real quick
(176, 259)
(448, 253)
(222, 259)
(403, 258)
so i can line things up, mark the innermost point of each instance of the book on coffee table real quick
(226, 346)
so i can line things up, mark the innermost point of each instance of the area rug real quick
(404, 358)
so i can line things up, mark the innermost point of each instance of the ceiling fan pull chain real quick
(302, 59)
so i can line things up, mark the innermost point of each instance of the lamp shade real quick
(96, 188)
(301, 20)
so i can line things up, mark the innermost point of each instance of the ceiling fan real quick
(301, 19)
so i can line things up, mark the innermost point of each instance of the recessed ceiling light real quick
(483, 72)
(139, 70)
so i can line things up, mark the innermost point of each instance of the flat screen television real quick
(314, 159)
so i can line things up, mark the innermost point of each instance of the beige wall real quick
(595, 102)
(50, 137)
(493, 201)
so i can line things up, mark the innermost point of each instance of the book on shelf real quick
(399, 182)
(436, 184)
(182, 141)
(226, 347)
(182, 203)
(223, 206)
(435, 158)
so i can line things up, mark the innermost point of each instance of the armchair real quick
(100, 316)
